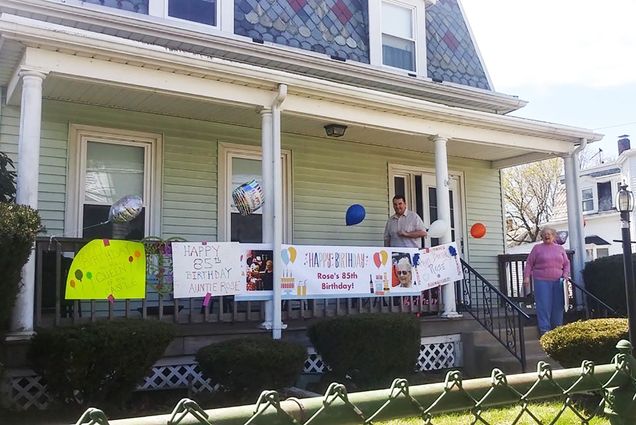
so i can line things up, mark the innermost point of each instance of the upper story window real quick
(397, 35)
(204, 12)
(398, 38)
(587, 197)
(605, 198)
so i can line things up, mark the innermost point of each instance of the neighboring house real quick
(179, 100)
(599, 185)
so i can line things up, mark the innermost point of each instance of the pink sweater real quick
(547, 261)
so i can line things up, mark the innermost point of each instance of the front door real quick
(418, 187)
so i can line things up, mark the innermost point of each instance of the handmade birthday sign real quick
(107, 269)
(205, 269)
(438, 265)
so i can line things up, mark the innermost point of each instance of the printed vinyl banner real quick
(107, 269)
(204, 269)
(344, 271)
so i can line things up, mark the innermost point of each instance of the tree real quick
(7, 179)
(529, 192)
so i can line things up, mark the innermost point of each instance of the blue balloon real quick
(355, 214)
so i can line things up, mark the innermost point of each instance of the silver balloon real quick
(248, 197)
(125, 209)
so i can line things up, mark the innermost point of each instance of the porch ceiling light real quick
(624, 200)
(335, 130)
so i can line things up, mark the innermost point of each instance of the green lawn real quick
(544, 412)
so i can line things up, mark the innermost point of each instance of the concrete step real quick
(482, 336)
(482, 353)
(510, 365)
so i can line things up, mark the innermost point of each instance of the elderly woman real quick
(547, 265)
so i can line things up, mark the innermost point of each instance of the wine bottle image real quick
(371, 284)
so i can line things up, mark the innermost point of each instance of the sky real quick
(574, 61)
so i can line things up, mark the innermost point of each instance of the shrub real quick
(19, 224)
(604, 277)
(593, 340)
(247, 366)
(7, 179)
(98, 362)
(370, 349)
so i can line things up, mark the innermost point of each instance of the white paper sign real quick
(438, 266)
(202, 268)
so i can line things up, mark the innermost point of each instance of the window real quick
(602, 252)
(398, 38)
(397, 35)
(605, 199)
(240, 164)
(587, 197)
(201, 11)
(204, 14)
(107, 165)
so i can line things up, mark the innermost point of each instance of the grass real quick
(545, 412)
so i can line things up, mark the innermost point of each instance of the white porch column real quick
(444, 213)
(27, 191)
(576, 233)
(278, 210)
(267, 171)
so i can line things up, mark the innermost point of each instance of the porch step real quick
(482, 353)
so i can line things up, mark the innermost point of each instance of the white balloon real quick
(437, 229)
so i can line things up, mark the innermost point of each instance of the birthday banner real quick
(344, 271)
(107, 269)
(205, 269)
(438, 265)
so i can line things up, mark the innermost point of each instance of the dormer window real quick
(398, 38)
(397, 35)
(207, 13)
(201, 11)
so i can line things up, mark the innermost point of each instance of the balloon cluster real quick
(125, 209)
(248, 197)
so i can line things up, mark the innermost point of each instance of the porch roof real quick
(92, 68)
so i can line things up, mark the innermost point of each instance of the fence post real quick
(620, 405)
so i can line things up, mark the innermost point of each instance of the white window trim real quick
(159, 9)
(419, 28)
(594, 199)
(227, 151)
(153, 144)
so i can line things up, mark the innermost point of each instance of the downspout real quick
(278, 208)
(575, 218)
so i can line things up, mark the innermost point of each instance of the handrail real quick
(597, 299)
(497, 313)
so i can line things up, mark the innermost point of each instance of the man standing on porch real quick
(404, 228)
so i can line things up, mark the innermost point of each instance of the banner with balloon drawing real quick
(328, 271)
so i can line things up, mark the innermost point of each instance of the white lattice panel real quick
(314, 363)
(176, 376)
(28, 391)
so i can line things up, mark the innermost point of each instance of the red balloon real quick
(478, 230)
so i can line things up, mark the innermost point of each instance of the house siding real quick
(326, 177)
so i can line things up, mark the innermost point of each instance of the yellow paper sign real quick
(107, 269)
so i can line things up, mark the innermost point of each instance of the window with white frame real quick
(397, 35)
(105, 167)
(206, 13)
(587, 198)
(240, 164)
